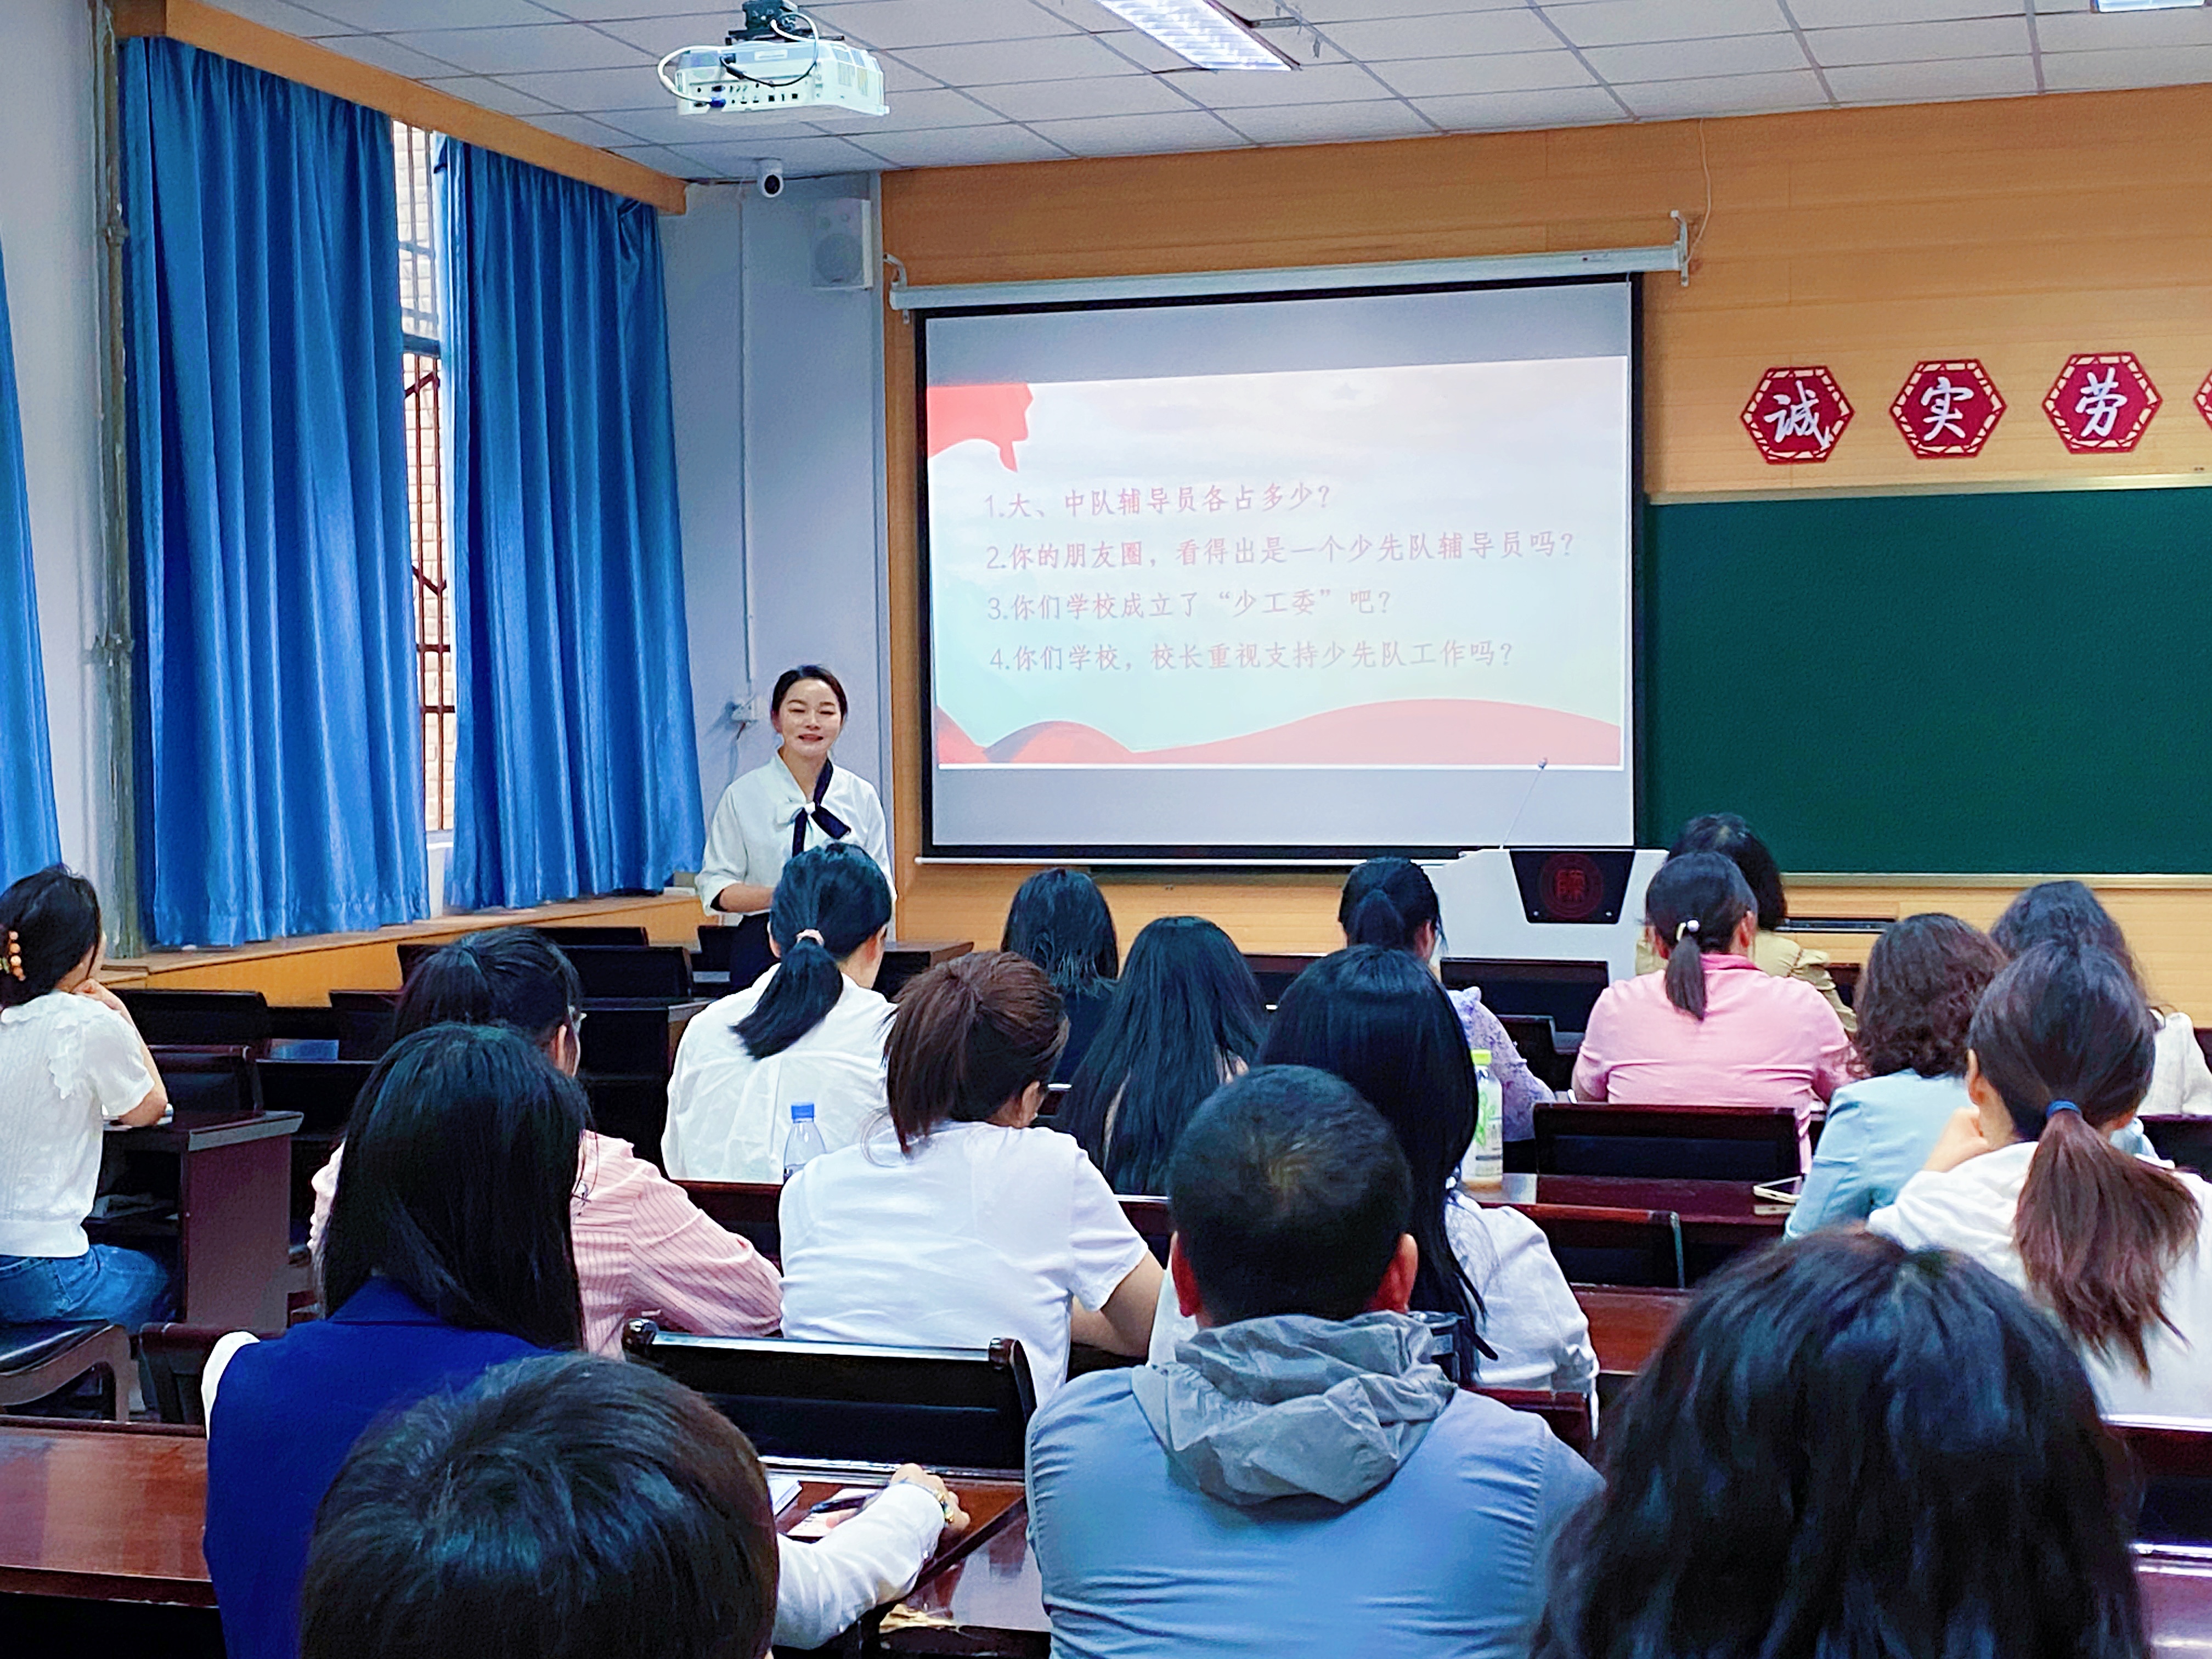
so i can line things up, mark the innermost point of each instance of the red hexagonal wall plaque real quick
(1796, 414)
(1947, 408)
(2204, 398)
(2101, 400)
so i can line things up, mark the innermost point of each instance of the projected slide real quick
(1327, 572)
(1385, 566)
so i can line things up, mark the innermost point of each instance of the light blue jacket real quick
(1878, 1136)
(1297, 1489)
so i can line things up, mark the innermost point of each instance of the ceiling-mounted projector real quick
(778, 61)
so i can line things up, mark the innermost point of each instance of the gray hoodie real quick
(1292, 1405)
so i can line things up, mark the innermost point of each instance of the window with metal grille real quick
(420, 374)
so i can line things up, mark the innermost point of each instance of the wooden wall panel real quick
(2014, 230)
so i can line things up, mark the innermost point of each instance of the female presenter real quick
(799, 800)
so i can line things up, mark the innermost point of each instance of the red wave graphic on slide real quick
(998, 415)
(1411, 732)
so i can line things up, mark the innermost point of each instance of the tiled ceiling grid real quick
(986, 81)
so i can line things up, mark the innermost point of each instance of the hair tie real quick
(1682, 928)
(2058, 1106)
(814, 933)
(15, 954)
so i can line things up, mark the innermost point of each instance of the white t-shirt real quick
(728, 1113)
(68, 1066)
(750, 839)
(1970, 1209)
(982, 1232)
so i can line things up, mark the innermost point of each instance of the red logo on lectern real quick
(1947, 408)
(1796, 414)
(2101, 401)
(2204, 398)
(1571, 886)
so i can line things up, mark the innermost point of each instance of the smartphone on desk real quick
(1784, 1193)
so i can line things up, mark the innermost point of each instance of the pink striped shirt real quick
(1763, 1042)
(642, 1247)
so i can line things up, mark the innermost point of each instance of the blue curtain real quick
(278, 729)
(576, 771)
(28, 838)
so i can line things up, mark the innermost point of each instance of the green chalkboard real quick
(2014, 683)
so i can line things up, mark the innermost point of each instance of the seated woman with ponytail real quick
(70, 1063)
(954, 1224)
(809, 1031)
(2028, 1183)
(1714, 1029)
(1392, 902)
(642, 1245)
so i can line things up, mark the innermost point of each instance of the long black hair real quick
(1695, 903)
(2098, 1229)
(511, 976)
(836, 896)
(1059, 920)
(48, 921)
(1379, 1020)
(1849, 1450)
(1731, 837)
(1387, 901)
(460, 1162)
(1189, 1004)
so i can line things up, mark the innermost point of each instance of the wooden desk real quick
(2177, 1592)
(1628, 1324)
(112, 1513)
(1719, 1217)
(233, 1187)
(905, 958)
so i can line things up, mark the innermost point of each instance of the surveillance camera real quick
(768, 171)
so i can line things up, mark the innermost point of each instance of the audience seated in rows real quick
(953, 1226)
(1391, 900)
(1714, 1029)
(2058, 911)
(1300, 1479)
(1373, 1016)
(563, 1508)
(447, 1252)
(1916, 997)
(1188, 1017)
(1774, 950)
(641, 1246)
(812, 1030)
(2027, 1180)
(1847, 1449)
(1059, 920)
(72, 1062)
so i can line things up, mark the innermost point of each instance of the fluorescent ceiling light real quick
(2144, 5)
(1202, 32)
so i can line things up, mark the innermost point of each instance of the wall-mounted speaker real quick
(844, 243)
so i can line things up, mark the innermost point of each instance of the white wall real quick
(797, 466)
(49, 217)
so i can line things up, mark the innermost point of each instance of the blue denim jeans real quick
(125, 1287)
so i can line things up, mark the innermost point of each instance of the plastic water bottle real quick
(1485, 1163)
(804, 1141)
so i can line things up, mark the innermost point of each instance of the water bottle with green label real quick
(1485, 1163)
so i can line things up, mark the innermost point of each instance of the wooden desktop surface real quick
(114, 1513)
(1718, 1208)
(1627, 1324)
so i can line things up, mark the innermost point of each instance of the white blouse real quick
(728, 1113)
(68, 1066)
(750, 839)
(1970, 1209)
(982, 1232)
(2179, 1080)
